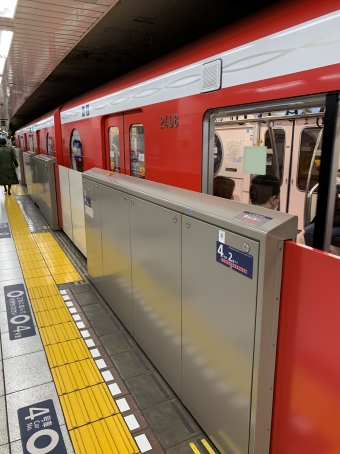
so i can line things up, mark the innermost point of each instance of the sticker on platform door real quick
(19, 315)
(40, 429)
(4, 230)
(234, 259)
(252, 218)
(88, 207)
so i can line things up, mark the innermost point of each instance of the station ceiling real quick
(63, 48)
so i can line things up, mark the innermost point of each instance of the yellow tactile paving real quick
(44, 291)
(59, 333)
(47, 303)
(17, 190)
(35, 272)
(39, 281)
(29, 257)
(67, 277)
(67, 352)
(109, 435)
(53, 317)
(88, 405)
(90, 410)
(34, 265)
(75, 376)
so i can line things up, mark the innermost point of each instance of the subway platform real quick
(72, 380)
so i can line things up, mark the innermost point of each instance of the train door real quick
(135, 163)
(38, 148)
(22, 143)
(308, 134)
(114, 143)
(280, 132)
(31, 142)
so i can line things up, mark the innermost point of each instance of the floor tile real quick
(105, 325)
(29, 397)
(37, 371)
(2, 303)
(6, 240)
(8, 275)
(9, 264)
(9, 256)
(4, 449)
(131, 364)
(149, 389)
(16, 447)
(18, 347)
(117, 343)
(7, 247)
(2, 389)
(87, 298)
(92, 311)
(3, 422)
(82, 288)
(170, 423)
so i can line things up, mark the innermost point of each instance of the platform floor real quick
(65, 349)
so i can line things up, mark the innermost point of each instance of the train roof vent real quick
(211, 76)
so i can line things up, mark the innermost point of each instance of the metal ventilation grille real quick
(211, 76)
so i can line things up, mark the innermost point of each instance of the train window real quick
(114, 149)
(280, 139)
(308, 140)
(76, 152)
(31, 142)
(218, 153)
(49, 144)
(137, 155)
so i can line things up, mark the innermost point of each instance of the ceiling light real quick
(7, 8)
(5, 43)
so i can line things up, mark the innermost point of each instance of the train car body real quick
(155, 123)
(43, 136)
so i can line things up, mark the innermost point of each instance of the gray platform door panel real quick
(219, 309)
(116, 284)
(156, 280)
(93, 233)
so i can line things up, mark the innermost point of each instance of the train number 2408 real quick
(169, 121)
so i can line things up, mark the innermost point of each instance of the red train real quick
(167, 121)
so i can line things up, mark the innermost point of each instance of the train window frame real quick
(49, 150)
(72, 154)
(281, 128)
(299, 156)
(222, 155)
(139, 157)
(208, 126)
(31, 143)
(116, 155)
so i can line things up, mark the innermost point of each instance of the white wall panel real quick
(65, 201)
(77, 210)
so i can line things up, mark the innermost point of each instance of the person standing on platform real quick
(8, 161)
